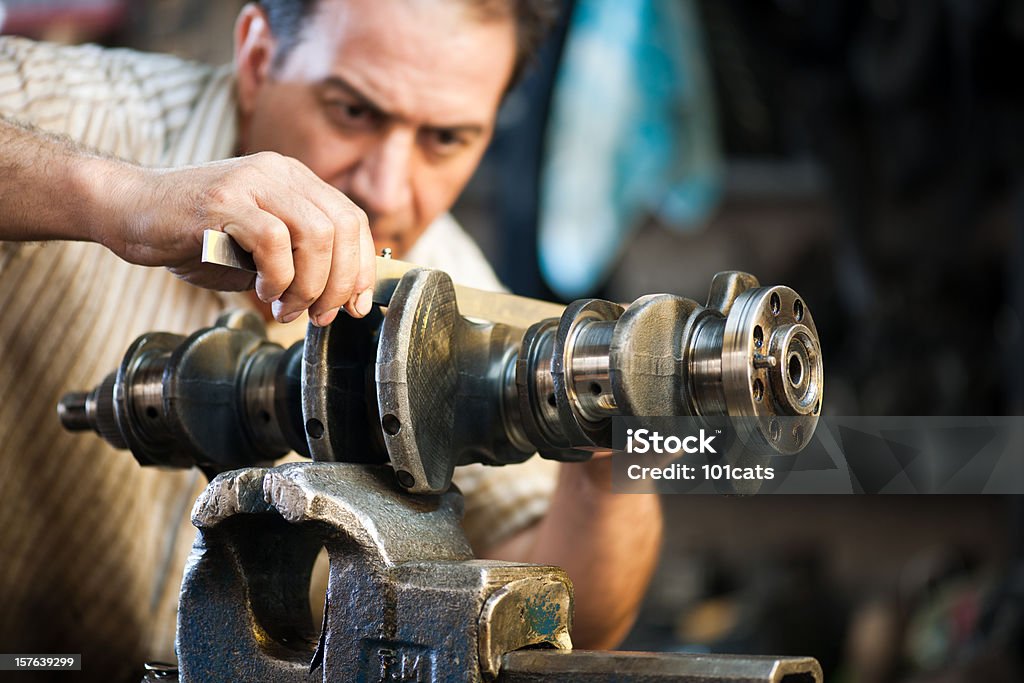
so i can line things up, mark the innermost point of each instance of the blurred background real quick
(867, 153)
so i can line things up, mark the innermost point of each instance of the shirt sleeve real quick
(502, 501)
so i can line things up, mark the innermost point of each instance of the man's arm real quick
(607, 543)
(311, 244)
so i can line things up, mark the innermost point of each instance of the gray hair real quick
(533, 20)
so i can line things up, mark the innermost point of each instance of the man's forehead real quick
(431, 61)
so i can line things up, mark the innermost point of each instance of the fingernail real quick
(325, 319)
(265, 299)
(290, 317)
(365, 301)
(275, 308)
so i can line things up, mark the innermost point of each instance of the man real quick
(363, 120)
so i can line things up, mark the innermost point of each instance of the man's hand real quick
(311, 244)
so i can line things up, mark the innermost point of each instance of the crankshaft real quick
(425, 385)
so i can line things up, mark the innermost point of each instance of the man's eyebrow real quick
(460, 128)
(339, 83)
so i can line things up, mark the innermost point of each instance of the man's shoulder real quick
(446, 246)
(119, 101)
(40, 60)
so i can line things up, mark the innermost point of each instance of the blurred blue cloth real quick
(632, 133)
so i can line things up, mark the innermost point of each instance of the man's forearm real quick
(608, 543)
(311, 244)
(48, 187)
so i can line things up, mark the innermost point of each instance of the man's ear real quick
(254, 54)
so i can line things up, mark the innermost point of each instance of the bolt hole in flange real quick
(758, 390)
(405, 479)
(315, 428)
(774, 430)
(798, 310)
(776, 303)
(391, 425)
(758, 337)
(798, 435)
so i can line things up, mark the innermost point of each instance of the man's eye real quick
(355, 111)
(352, 115)
(446, 137)
(443, 141)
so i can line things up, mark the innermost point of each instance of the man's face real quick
(392, 102)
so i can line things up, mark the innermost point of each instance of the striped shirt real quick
(92, 546)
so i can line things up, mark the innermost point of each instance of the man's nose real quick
(382, 181)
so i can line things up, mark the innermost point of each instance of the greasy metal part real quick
(771, 366)
(752, 351)
(534, 396)
(444, 393)
(338, 409)
(591, 370)
(220, 249)
(581, 426)
(417, 376)
(81, 411)
(439, 385)
(581, 666)
(223, 397)
(405, 598)
(136, 400)
(429, 387)
(726, 287)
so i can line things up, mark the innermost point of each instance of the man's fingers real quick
(367, 271)
(313, 235)
(344, 270)
(267, 238)
(353, 269)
